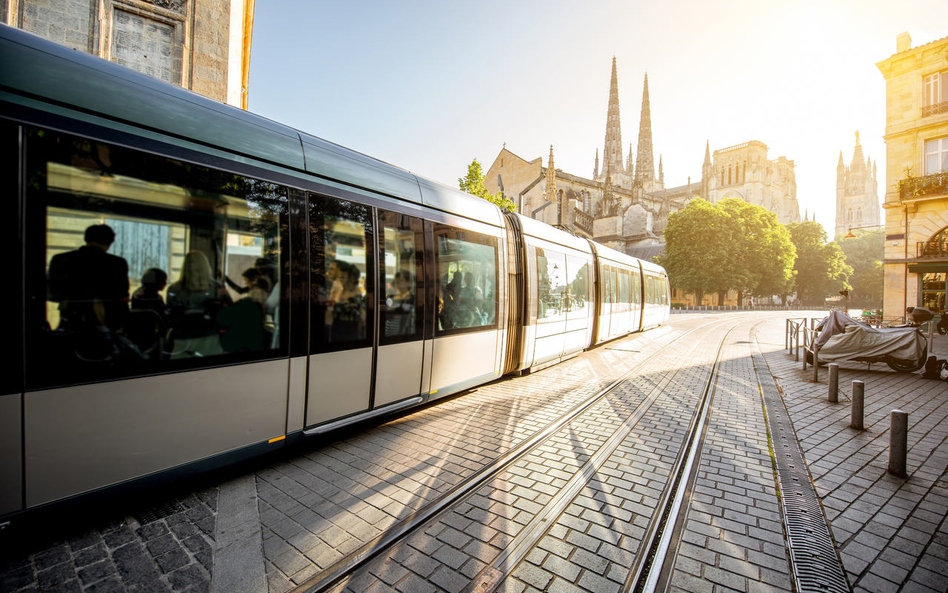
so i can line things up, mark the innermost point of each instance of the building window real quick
(935, 93)
(936, 155)
(933, 292)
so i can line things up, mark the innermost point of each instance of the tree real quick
(696, 256)
(473, 184)
(864, 253)
(820, 267)
(762, 249)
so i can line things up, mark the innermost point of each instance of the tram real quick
(191, 284)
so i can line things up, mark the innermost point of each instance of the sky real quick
(431, 85)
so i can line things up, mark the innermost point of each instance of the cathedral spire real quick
(858, 163)
(551, 179)
(644, 165)
(596, 167)
(612, 154)
(661, 172)
(629, 163)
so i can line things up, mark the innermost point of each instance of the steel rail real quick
(337, 573)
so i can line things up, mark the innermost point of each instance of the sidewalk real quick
(891, 533)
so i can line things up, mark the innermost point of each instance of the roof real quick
(646, 252)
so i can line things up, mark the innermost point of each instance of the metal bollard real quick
(859, 391)
(832, 395)
(796, 351)
(816, 362)
(898, 442)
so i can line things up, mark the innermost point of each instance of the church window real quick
(935, 93)
(859, 214)
(722, 175)
(729, 171)
(936, 155)
(849, 215)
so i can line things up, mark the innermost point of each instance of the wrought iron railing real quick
(914, 187)
(935, 248)
(935, 109)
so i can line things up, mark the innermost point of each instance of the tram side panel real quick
(195, 365)
(11, 347)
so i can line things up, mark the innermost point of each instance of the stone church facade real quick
(202, 45)
(624, 204)
(857, 193)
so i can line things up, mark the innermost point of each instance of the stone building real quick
(916, 197)
(625, 205)
(202, 45)
(857, 193)
(744, 172)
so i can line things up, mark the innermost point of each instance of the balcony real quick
(583, 221)
(935, 109)
(918, 187)
(934, 248)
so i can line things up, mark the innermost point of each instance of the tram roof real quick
(35, 69)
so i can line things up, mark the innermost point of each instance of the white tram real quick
(192, 284)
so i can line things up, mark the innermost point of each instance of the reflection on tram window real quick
(578, 275)
(142, 263)
(636, 288)
(466, 264)
(402, 247)
(551, 286)
(623, 286)
(340, 232)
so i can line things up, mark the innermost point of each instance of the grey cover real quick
(844, 338)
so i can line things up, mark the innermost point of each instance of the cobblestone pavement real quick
(891, 533)
(160, 550)
(330, 498)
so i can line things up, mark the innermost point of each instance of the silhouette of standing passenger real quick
(90, 285)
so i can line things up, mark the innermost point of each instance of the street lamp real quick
(852, 235)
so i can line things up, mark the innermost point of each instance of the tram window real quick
(466, 266)
(340, 235)
(140, 264)
(578, 274)
(623, 290)
(636, 288)
(401, 275)
(551, 286)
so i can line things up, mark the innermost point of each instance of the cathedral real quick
(625, 205)
(857, 193)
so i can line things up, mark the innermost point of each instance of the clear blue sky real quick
(429, 86)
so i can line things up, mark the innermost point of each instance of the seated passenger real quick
(399, 310)
(194, 301)
(346, 316)
(148, 295)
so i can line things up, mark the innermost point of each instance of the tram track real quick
(492, 574)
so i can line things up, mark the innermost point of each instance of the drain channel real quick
(816, 565)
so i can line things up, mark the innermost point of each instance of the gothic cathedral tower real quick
(857, 192)
(612, 166)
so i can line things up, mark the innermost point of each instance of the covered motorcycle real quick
(843, 338)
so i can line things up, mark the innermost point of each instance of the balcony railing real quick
(915, 187)
(936, 248)
(935, 109)
(583, 221)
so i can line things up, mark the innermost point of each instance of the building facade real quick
(857, 193)
(625, 204)
(916, 198)
(744, 172)
(202, 45)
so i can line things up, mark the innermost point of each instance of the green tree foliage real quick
(762, 249)
(696, 248)
(473, 184)
(731, 245)
(864, 253)
(821, 267)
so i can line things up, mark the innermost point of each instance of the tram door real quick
(401, 307)
(342, 285)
